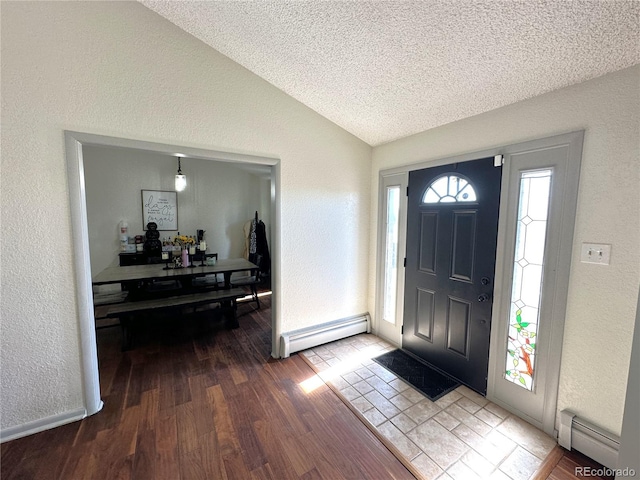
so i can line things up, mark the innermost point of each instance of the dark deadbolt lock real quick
(485, 280)
(483, 297)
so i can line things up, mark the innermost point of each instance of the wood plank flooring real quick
(202, 402)
(572, 462)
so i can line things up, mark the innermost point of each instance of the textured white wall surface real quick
(220, 198)
(118, 69)
(602, 299)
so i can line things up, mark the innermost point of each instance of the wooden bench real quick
(126, 310)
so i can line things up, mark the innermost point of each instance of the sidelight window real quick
(524, 313)
(449, 189)
(391, 254)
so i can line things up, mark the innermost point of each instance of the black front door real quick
(452, 226)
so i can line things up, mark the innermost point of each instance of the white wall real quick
(220, 198)
(602, 300)
(118, 69)
(630, 441)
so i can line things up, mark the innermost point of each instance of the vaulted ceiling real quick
(383, 70)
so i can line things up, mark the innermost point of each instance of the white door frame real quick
(560, 271)
(74, 141)
(392, 332)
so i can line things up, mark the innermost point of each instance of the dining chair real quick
(251, 280)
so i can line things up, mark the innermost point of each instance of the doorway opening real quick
(75, 141)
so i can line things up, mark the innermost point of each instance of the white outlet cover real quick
(598, 253)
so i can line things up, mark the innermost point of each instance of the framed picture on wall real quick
(160, 207)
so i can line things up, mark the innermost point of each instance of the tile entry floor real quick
(460, 436)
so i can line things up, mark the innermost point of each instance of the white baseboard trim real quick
(596, 443)
(310, 337)
(41, 425)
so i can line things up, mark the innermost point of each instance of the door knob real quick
(485, 280)
(483, 297)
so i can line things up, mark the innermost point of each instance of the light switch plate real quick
(598, 253)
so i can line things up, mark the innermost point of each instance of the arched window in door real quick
(449, 189)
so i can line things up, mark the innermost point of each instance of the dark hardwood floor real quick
(203, 402)
(572, 464)
(193, 401)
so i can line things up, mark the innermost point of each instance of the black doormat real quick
(429, 381)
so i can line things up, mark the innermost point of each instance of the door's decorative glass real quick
(391, 254)
(449, 189)
(524, 315)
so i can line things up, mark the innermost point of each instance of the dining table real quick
(159, 272)
(143, 299)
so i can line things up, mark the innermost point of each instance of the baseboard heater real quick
(310, 337)
(596, 443)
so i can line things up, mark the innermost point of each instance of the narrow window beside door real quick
(391, 254)
(524, 314)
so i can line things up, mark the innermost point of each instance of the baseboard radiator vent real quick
(310, 337)
(596, 443)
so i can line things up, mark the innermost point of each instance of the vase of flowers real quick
(181, 245)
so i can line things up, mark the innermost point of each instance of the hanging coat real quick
(262, 248)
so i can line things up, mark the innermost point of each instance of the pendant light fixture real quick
(181, 180)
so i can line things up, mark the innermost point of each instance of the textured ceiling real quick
(386, 70)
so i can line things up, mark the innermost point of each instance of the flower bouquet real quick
(184, 241)
(181, 250)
